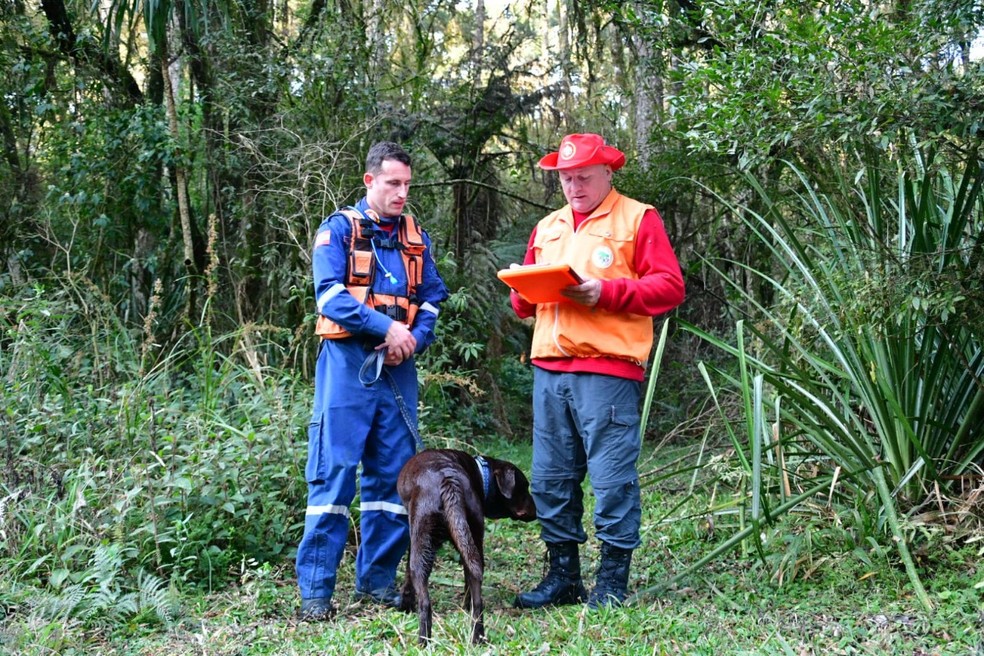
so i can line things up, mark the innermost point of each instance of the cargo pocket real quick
(315, 469)
(624, 414)
(620, 445)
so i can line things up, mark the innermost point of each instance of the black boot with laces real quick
(562, 585)
(613, 577)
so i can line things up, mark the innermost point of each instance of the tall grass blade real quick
(647, 402)
(868, 343)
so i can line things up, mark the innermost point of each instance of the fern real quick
(62, 606)
(98, 596)
(155, 598)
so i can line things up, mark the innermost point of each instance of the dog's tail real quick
(453, 498)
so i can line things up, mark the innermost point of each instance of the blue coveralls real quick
(352, 422)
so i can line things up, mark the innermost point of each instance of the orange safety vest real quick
(361, 269)
(603, 247)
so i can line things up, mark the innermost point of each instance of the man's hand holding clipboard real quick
(550, 283)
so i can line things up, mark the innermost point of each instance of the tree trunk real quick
(563, 31)
(374, 37)
(87, 52)
(648, 99)
(184, 210)
(478, 41)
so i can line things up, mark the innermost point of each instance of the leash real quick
(375, 361)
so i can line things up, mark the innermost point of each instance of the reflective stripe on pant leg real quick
(607, 409)
(335, 443)
(383, 519)
(321, 548)
(326, 521)
(558, 460)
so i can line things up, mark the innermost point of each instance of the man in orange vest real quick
(378, 293)
(589, 354)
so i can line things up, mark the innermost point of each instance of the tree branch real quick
(499, 190)
(60, 27)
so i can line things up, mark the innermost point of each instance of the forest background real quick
(166, 163)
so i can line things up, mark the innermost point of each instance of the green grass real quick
(739, 604)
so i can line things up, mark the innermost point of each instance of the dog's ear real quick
(505, 479)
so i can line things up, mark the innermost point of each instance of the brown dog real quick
(448, 494)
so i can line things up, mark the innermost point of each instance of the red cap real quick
(577, 150)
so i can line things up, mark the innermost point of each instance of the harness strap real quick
(407, 238)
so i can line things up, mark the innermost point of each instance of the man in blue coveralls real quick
(378, 293)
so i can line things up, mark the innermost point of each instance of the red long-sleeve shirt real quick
(658, 289)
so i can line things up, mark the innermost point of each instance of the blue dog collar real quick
(483, 467)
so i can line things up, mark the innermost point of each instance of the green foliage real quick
(151, 451)
(118, 484)
(777, 80)
(808, 598)
(883, 397)
(24, 89)
(471, 374)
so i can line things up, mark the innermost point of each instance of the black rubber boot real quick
(613, 577)
(388, 596)
(316, 610)
(562, 585)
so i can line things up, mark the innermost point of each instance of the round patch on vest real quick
(602, 257)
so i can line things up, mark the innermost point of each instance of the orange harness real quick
(361, 270)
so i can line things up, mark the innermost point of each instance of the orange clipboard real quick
(540, 283)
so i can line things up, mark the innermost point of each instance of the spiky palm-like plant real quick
(871, 357)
